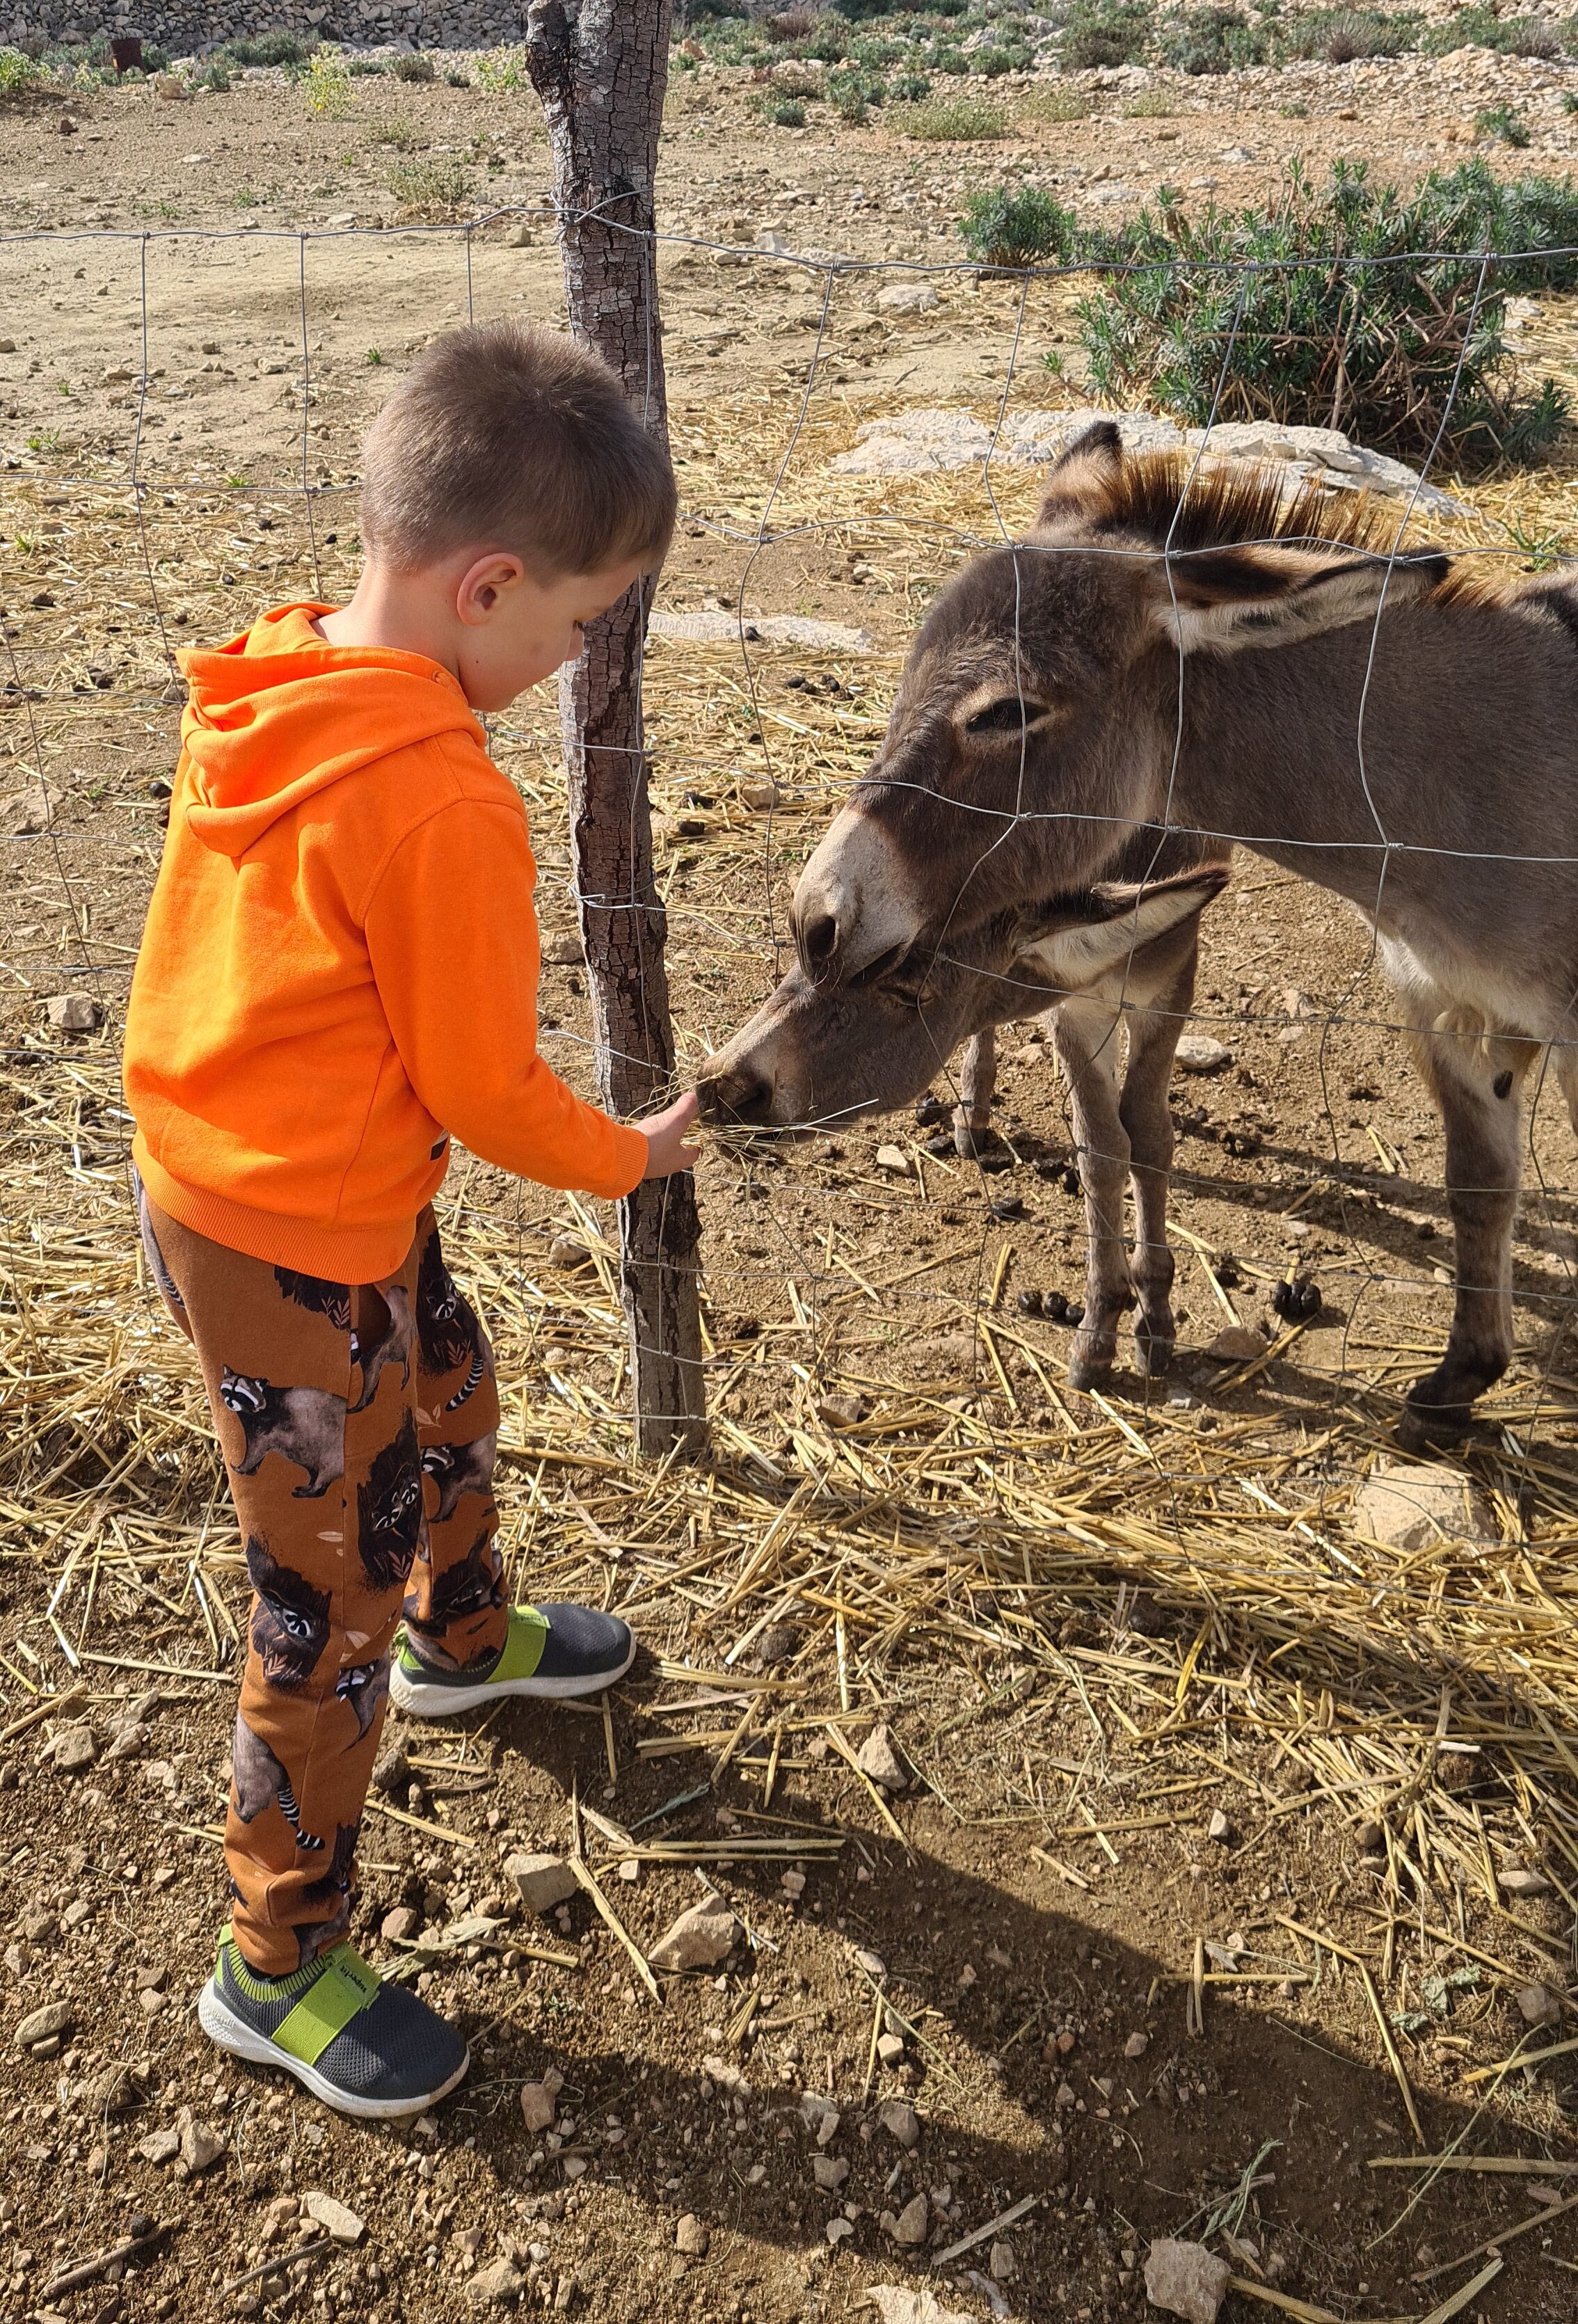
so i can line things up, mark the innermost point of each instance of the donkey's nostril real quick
(819, 939)
(742, 1096)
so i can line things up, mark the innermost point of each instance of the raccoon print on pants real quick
(358, 1423)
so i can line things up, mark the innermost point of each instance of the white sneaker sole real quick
(228, 2032)
(429, 1700)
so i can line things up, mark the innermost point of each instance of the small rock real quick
(1236, 1345)
(128, 1742)
(793, 1884)
(900, 2122)
(893, 1159)
(843, 1411)
(878, 1759)
(699, 1938)
(1538, 2005)
(399, 1926)
(1218, 1827)
(333, 2217)
(73, 1749)
(873, 1963)
(910, 2227)
(199, 2146)
(891, 2049)
(495, 2285)
(42, 2024)
(40, 1925)
(759, 795)
(897, 2305)
(1410, 1505)
(1001, 2262)
(543, 1881)
(819, 2115)
(837, 2229)
(778, 1643)
(1185, 2280)
(906, 299)
(1197, 1053)
(168, 84)
(691, 2237)
(160, 2146)
(1137, 2045)
(392, 1773)
(1370, 1838)
(1516, 1882)
(829, 2171)
(25, 813)
(567, 1254)
(518, 238)
(71, 1013)
(539, 2101)
(563, 952)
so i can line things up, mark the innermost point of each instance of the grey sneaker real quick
(362, 2047)
(550, 1650)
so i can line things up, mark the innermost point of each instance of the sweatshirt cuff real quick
(628, 1164)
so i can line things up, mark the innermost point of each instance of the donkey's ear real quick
(1223, 600)
(1076, 939)
(1084, 475)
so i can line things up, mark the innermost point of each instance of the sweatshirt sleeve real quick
(452, 934)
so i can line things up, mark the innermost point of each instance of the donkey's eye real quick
(1009, 715)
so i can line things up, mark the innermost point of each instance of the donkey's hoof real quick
(1090, 1366)
(1153, 1353)
(1427, 1427)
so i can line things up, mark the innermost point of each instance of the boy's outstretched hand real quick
(665, 1134)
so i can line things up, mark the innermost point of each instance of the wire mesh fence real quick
(898, 1455)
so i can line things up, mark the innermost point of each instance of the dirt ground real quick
(1092, 1625)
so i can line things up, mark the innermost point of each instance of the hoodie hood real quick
(278, 714)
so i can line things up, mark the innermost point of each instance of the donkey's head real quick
(1036, 720)
(829, 1053)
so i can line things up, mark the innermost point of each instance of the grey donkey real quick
(825, 1050)
(1197, 653)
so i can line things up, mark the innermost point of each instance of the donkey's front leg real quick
(977, 1081)
(1477, 1082)
(1087, 1048)
(1147, 1116)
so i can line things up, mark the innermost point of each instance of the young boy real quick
(339, 974)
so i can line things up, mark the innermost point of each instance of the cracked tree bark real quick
(601, 68)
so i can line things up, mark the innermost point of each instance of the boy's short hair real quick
(503, 435)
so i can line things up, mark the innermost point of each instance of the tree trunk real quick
(601, 68)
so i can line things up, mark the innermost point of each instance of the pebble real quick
(873, 1963)
(906, 299)
(1538, 2005)
(691, 2236)
(569, 1254)
(1514, 1881)
(496, 2285)
(891, 2049)
(333, 2217)
(900, 2122)
(1236, 1345)
(56, 2017)
(1219, 1828)
(71, 1013)
(819, 2115)
(199, 2144)
(128, 1742)
(160, 2146)
(400, 1925)
(40, 1925)
(1199, 1053)
(539, 2101)
(793, 1884)
(760, 796)
(1410, 1505)
(829, 2171)
(910, 2227)
(392, 1773)
(1137, 2045)
(543, 1881)
(699, 1939)
(878, 1759)
(1185, 2280)
(73, 1749)
(1001, 2262)
(893, 1159)
(837, 2229)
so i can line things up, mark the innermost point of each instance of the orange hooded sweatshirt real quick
(340, 962)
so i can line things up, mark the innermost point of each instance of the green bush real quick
(950, 60)
(1104, 32)
(266, 48)
(790, 114)
(18, 72)
(1211, 39)
(1061, 104)
(414, 67)
(1482, 28)
(911, 88)
(1338, 36)
(851, 94)
(827, 45)
(502, 71)
(952, 118)
(1004, 228)
(438, 184)
(1499, 121)
(1339, 323)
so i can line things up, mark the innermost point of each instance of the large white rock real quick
(1408, 1505)
(1202, 1053)
(1185, 2280)
(699, 1938)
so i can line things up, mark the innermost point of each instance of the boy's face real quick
(516, 630)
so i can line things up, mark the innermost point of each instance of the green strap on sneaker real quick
(344, 1989)
(522, 1650)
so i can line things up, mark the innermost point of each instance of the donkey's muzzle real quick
(738, 1097)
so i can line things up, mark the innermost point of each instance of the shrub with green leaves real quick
(416, 67)
(18, 72)
(1060, 103)
(503, 72)
(1211, 39)
(327, 83)
(1104, 32)
(265, 49)
(1016, 227)
(1501, 122)
(435, 186)
(957, 119)
(789, 114)
(1484, 28)
(910, 87)
(1339, 36)
(1317, 309)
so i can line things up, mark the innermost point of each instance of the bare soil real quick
(133, 355)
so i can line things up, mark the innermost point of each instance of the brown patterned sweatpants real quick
(358, 1424)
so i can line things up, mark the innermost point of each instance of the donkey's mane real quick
(1226, 503)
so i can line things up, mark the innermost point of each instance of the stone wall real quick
(190, 27)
